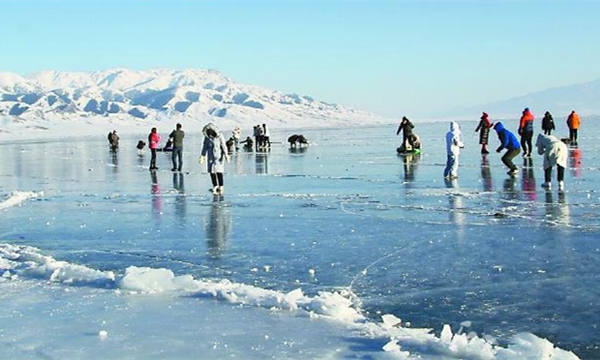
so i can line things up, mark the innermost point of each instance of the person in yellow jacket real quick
(573, 123)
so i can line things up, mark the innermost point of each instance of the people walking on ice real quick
(573, 123)
(153, 144)
(555, 152)
(453, 145)
(548, 123)
(484, 132)
(214, 153)
(177, 136)
(526, 131)
(509, 142)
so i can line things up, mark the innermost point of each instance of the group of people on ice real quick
(215, 149)
(554, 150)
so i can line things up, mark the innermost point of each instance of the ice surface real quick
(348, 231)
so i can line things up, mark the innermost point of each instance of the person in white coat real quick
(555, 153)
(214, 153)
(453, 145)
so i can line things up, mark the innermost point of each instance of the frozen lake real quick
(347, 215)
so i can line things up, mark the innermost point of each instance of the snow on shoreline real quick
(18, 261)
(18, 197)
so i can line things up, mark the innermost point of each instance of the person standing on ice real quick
(153, 144)
(406, 127)
(555, 153)
(113, 140)
(509, 142)
(177, 136)
(573, 123)
(266, 136)
(236, 134)
(526, 132)
(548, 123)
(484, 132)
(453, 145)
(214, 152)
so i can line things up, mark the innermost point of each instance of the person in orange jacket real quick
(573, 123)
(526, 132)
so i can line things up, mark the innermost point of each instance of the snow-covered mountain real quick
(584, 98)
(128, 97)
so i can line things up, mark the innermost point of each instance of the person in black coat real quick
(406, 127)
(547, 123)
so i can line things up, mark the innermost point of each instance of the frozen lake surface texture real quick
(342, 250)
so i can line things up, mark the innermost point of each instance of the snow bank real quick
(18, 197)
(27, 261)
(402, 342)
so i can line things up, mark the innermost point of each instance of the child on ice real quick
(453, 145)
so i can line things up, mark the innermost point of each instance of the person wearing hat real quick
(547, 123)
(526, 132)
(573, 123)
(509, 142)
(484, 132)
(406, 127)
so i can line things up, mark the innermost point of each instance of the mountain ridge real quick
(191, 95)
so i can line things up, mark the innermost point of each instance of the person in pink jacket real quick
(153, 144)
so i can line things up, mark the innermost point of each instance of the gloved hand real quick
(202, 159)
(227, 158)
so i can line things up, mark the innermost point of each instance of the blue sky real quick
(389, 57)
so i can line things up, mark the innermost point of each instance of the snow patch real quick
(18, 197)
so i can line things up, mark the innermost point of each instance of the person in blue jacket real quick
(509, 142)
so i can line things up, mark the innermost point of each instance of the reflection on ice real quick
(557, 212)
(262, 163)
(486, 174)
(409, 162)
(528, 180)
(180, 198)
(217, 226)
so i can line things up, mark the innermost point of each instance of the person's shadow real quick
(217, 226)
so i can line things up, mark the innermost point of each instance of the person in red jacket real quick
(526, 132)
(153, 144)
(573, 123)
(484, 132)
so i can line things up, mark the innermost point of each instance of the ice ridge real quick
(403, 342)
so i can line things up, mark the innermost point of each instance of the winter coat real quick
(454, 140)
(554, 151)
(484, 130)
(237, 133)
(215, 150)
(266, 131)
(177, 136)
(548, 122)
(573, 121)
(406, 127)
(526, 123)
(153, 141)
(507, 139)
